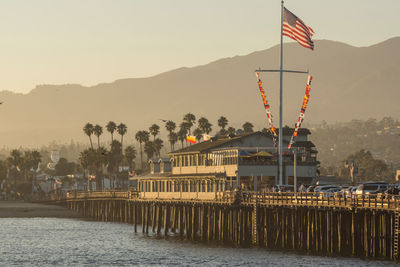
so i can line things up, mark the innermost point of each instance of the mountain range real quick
(348, 83)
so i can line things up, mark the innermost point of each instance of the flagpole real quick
(281, 103)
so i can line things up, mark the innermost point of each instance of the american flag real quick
(295, 28)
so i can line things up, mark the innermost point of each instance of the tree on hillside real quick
(369, 168)
(190, 120)
(154, 130)
(97, 131)
(121, 129)
(142, 137)
(88, 130)
(248, 127)
(387, 122)
(111, 127)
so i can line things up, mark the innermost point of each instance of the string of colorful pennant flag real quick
(267, 109)
(302, 111)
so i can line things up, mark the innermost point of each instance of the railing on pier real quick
(336, 200)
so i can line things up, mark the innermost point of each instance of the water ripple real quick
(68, 242)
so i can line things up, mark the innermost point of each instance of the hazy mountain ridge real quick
(349, 83)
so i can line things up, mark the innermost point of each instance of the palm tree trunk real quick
(91, 143)
(98, 141)
(141, 156)
(112, 137)
(122, 141)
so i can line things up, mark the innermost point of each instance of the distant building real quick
(249, 161)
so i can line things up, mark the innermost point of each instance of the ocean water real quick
(70, 242)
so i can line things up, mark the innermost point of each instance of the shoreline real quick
(21, 209)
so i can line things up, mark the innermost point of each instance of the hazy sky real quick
(94, 41)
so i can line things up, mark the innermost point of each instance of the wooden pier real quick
(357, 225)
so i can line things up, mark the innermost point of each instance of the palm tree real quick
(222, 122)
(97, 131)
(173, 138)
(15, 160)
(30, 162)
(36, 158)
(121, 129)
(158, 144)
(114, 160)
(130, 155)
(182, 135)
(198, 133)
(88, 130)
(170, 126)
(142, 137)
(149, 149)
(85, 161)
(205, 125)
(111, 127)
(190, 120)
(154, 130)
(247, 127)
(102, 159)
(231, 130)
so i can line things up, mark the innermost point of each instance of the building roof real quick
(287, 131)
(153, 160)
(306, 144)
(213, 143)
(217, 142)
(164, 160)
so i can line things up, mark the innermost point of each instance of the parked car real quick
(323, 188)
(372, 188)
(332, 192)
(284, 188)
(349, 191)
(326, 190)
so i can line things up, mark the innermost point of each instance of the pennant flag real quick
(296, 29)
(272, 129)
(191, 139)
(302, 111)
